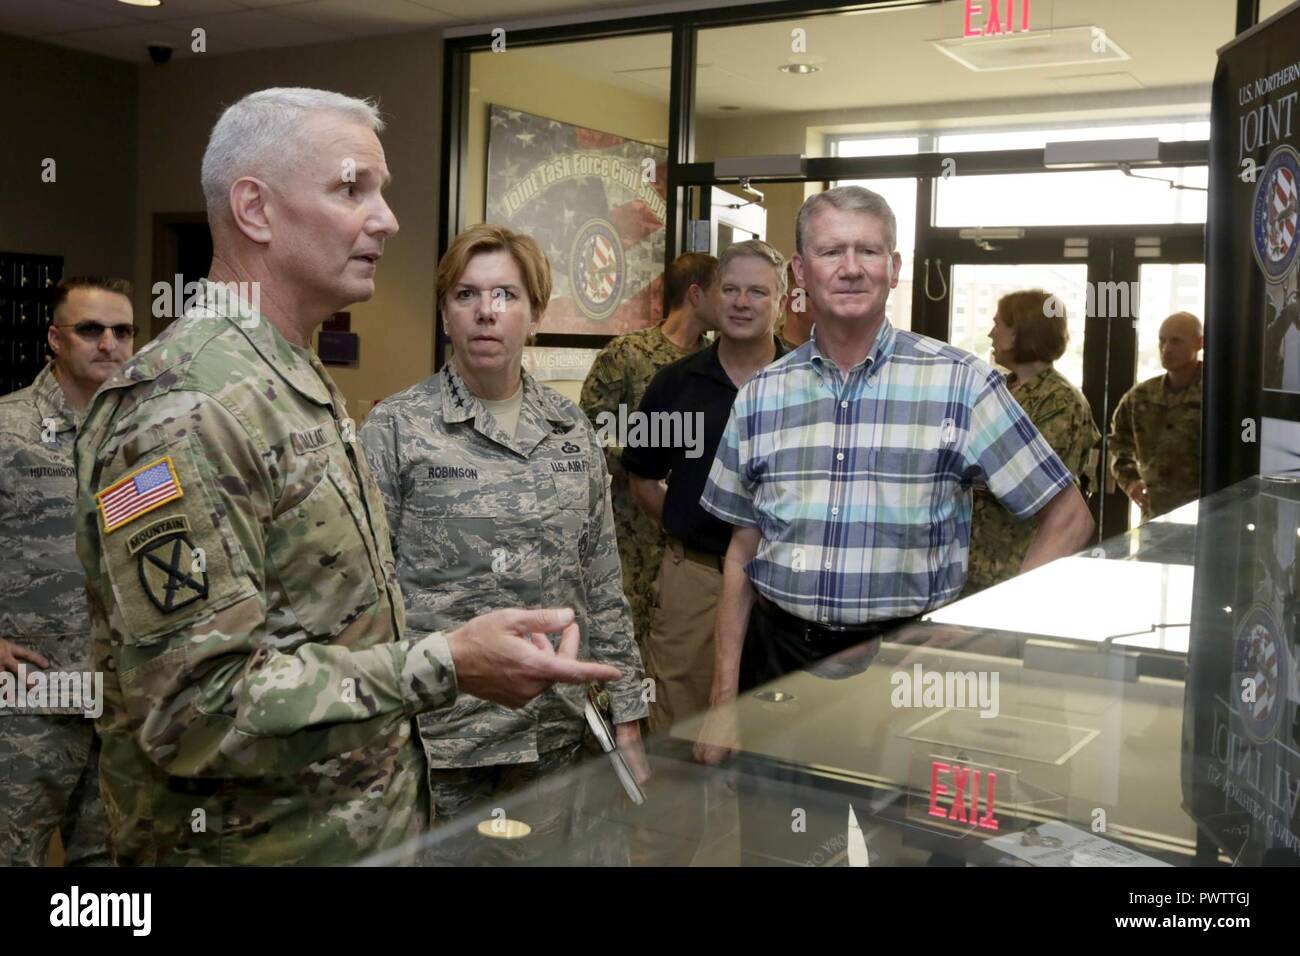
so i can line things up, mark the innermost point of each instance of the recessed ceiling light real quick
(799, 69)
(141, 3)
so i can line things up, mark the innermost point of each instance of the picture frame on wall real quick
(596, 203)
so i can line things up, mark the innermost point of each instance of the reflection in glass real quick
(1078, 744)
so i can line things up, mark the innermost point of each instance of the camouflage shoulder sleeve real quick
(603, 391)
(1065, 421)
(379, 445)
(1123, 444)
(180, 598)
(612, 638)
(12, 426)
(13, 423)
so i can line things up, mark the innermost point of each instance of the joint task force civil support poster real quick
(595, 202)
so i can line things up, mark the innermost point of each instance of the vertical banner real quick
(1241, 714)
(596, 204)
(1241, 711)
(1252, 341)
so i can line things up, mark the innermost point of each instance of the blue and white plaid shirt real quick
(861, 486)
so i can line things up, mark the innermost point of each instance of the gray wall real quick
(179, 103)
(79, 110)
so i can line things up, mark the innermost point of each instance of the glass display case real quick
(1131, 705)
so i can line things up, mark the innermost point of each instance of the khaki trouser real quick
(680, 652)
(681, 634)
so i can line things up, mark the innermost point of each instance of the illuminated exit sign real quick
(955, 794)
(984, 18)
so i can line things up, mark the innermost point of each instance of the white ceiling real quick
(885, 58)
(124, 32)
(880, 58)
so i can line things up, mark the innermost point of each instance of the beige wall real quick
(80, 111)
(177, 106)
(760, 136)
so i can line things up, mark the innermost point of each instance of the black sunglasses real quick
(94, 331)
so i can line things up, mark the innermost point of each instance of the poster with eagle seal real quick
(595, 202)
(1241, 708)
(1251, 403)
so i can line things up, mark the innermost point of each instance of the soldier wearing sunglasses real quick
(51, 753)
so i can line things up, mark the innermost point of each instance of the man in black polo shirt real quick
(689, 402)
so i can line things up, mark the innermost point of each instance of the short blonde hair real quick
(1038, 318)
(489, 237)
(757, 249)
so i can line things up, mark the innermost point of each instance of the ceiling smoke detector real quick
(1064, 46)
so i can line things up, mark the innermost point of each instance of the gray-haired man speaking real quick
(243, 597)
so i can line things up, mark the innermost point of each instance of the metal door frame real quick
(1110, 342)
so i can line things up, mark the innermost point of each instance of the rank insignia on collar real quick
(167, 574)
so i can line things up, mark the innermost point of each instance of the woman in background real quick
(1029, 333)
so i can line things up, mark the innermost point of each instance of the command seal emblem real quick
(1259, 674)
(596, 269)
(1274, 213)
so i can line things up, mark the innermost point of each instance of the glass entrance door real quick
(1117, 284)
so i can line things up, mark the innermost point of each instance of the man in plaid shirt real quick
(846, 470)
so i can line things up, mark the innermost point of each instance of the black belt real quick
(696, 556)
(830, 632)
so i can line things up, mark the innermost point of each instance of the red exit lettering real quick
(996, 24)
(961, 782)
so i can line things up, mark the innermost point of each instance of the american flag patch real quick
(138, 493)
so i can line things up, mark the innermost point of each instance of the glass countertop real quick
(1136, 704)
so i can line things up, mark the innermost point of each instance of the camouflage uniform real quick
(251, 629)
(1155, 435)
(481, 520)
(49, 777)
(999, 542)
(619, 376)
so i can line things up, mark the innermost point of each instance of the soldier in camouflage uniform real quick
(1155, 439)
(495, 488)
(618, 378)
(1029, 334)
(49, 756)
(244, 604)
